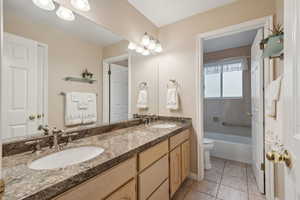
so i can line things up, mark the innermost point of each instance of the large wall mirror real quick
(65, 73)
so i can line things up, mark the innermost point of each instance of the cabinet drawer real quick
(127, 192)
(146, 158)
(179, 138)
(162, 193)
(152, 177)
(102, 185)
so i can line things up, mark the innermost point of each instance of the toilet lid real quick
(207, 141)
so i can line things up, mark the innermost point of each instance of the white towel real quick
(142, 101)
(172, 99)
(89, 115)
(72, 115)
(273, 94)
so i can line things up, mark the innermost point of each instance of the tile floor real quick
(227, 180)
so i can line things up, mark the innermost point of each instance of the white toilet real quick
(208, 145)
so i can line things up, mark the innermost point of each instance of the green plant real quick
(277, 30)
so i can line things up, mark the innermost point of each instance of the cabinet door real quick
(127, 192)
(175, 170)
(185, 154)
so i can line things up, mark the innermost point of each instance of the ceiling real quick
(163, 12)
(81, 27)
(230, 41)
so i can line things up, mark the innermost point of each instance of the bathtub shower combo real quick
(227, 146)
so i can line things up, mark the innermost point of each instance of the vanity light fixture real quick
(139, 49)
(152, 44)
(132, 46)
(65, 13)
(146, 52)
(44, 4)
(82, 5)
(158, 48)
(146, 39)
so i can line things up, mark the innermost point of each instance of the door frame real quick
(267, 24)
(105, 89)
(1, 86)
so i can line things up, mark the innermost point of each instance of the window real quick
(224, 79)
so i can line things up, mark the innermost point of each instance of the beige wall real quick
(116, 49)
(118, 16)
(230, 110)
(68, 56)
(179, 57)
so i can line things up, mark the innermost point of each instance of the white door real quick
(118, 93)
(291, 97)
(19, 81)
(257, 101)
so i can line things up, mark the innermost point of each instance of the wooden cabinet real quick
(179, 160)
(104, 184)
(127, 192)
(175, 170)
(162, 193)
(151, 178)
(185, 157)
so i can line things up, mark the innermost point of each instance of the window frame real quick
(221, 89)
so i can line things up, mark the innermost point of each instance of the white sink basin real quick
(164, 126)
(66, 157)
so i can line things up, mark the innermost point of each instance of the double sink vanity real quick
(122, 161)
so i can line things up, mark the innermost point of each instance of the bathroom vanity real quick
(138, 162)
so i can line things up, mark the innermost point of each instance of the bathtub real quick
(231, 147)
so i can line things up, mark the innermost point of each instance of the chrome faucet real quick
(56, 133)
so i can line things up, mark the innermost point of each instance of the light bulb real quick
(152, 44)
(82, 5)
(132, 46)
(145, 40)
(65, 13)
(44, 4)
(158, 48)
(139, 49)
(146, 52)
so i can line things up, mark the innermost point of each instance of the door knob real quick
(32, 117)
(276, 157)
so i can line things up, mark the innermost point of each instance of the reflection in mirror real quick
(54, 74)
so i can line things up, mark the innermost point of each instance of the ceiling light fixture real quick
(44, 4)
(146, 39)
(82, 5)
(132, 46)
(65, 14)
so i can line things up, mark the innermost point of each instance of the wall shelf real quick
(80, 79)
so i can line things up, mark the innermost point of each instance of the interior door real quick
(291, 97)
(118, 93)
(19, 95)
(257, 100)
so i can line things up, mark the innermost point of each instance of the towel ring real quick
(143, 85)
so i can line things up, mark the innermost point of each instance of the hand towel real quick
(142, 101)
(172, 99)
(73, 116)
(272, 93)
(90, 114)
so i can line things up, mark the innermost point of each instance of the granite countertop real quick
(119, 145)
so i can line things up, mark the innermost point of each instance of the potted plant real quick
(273, 44)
